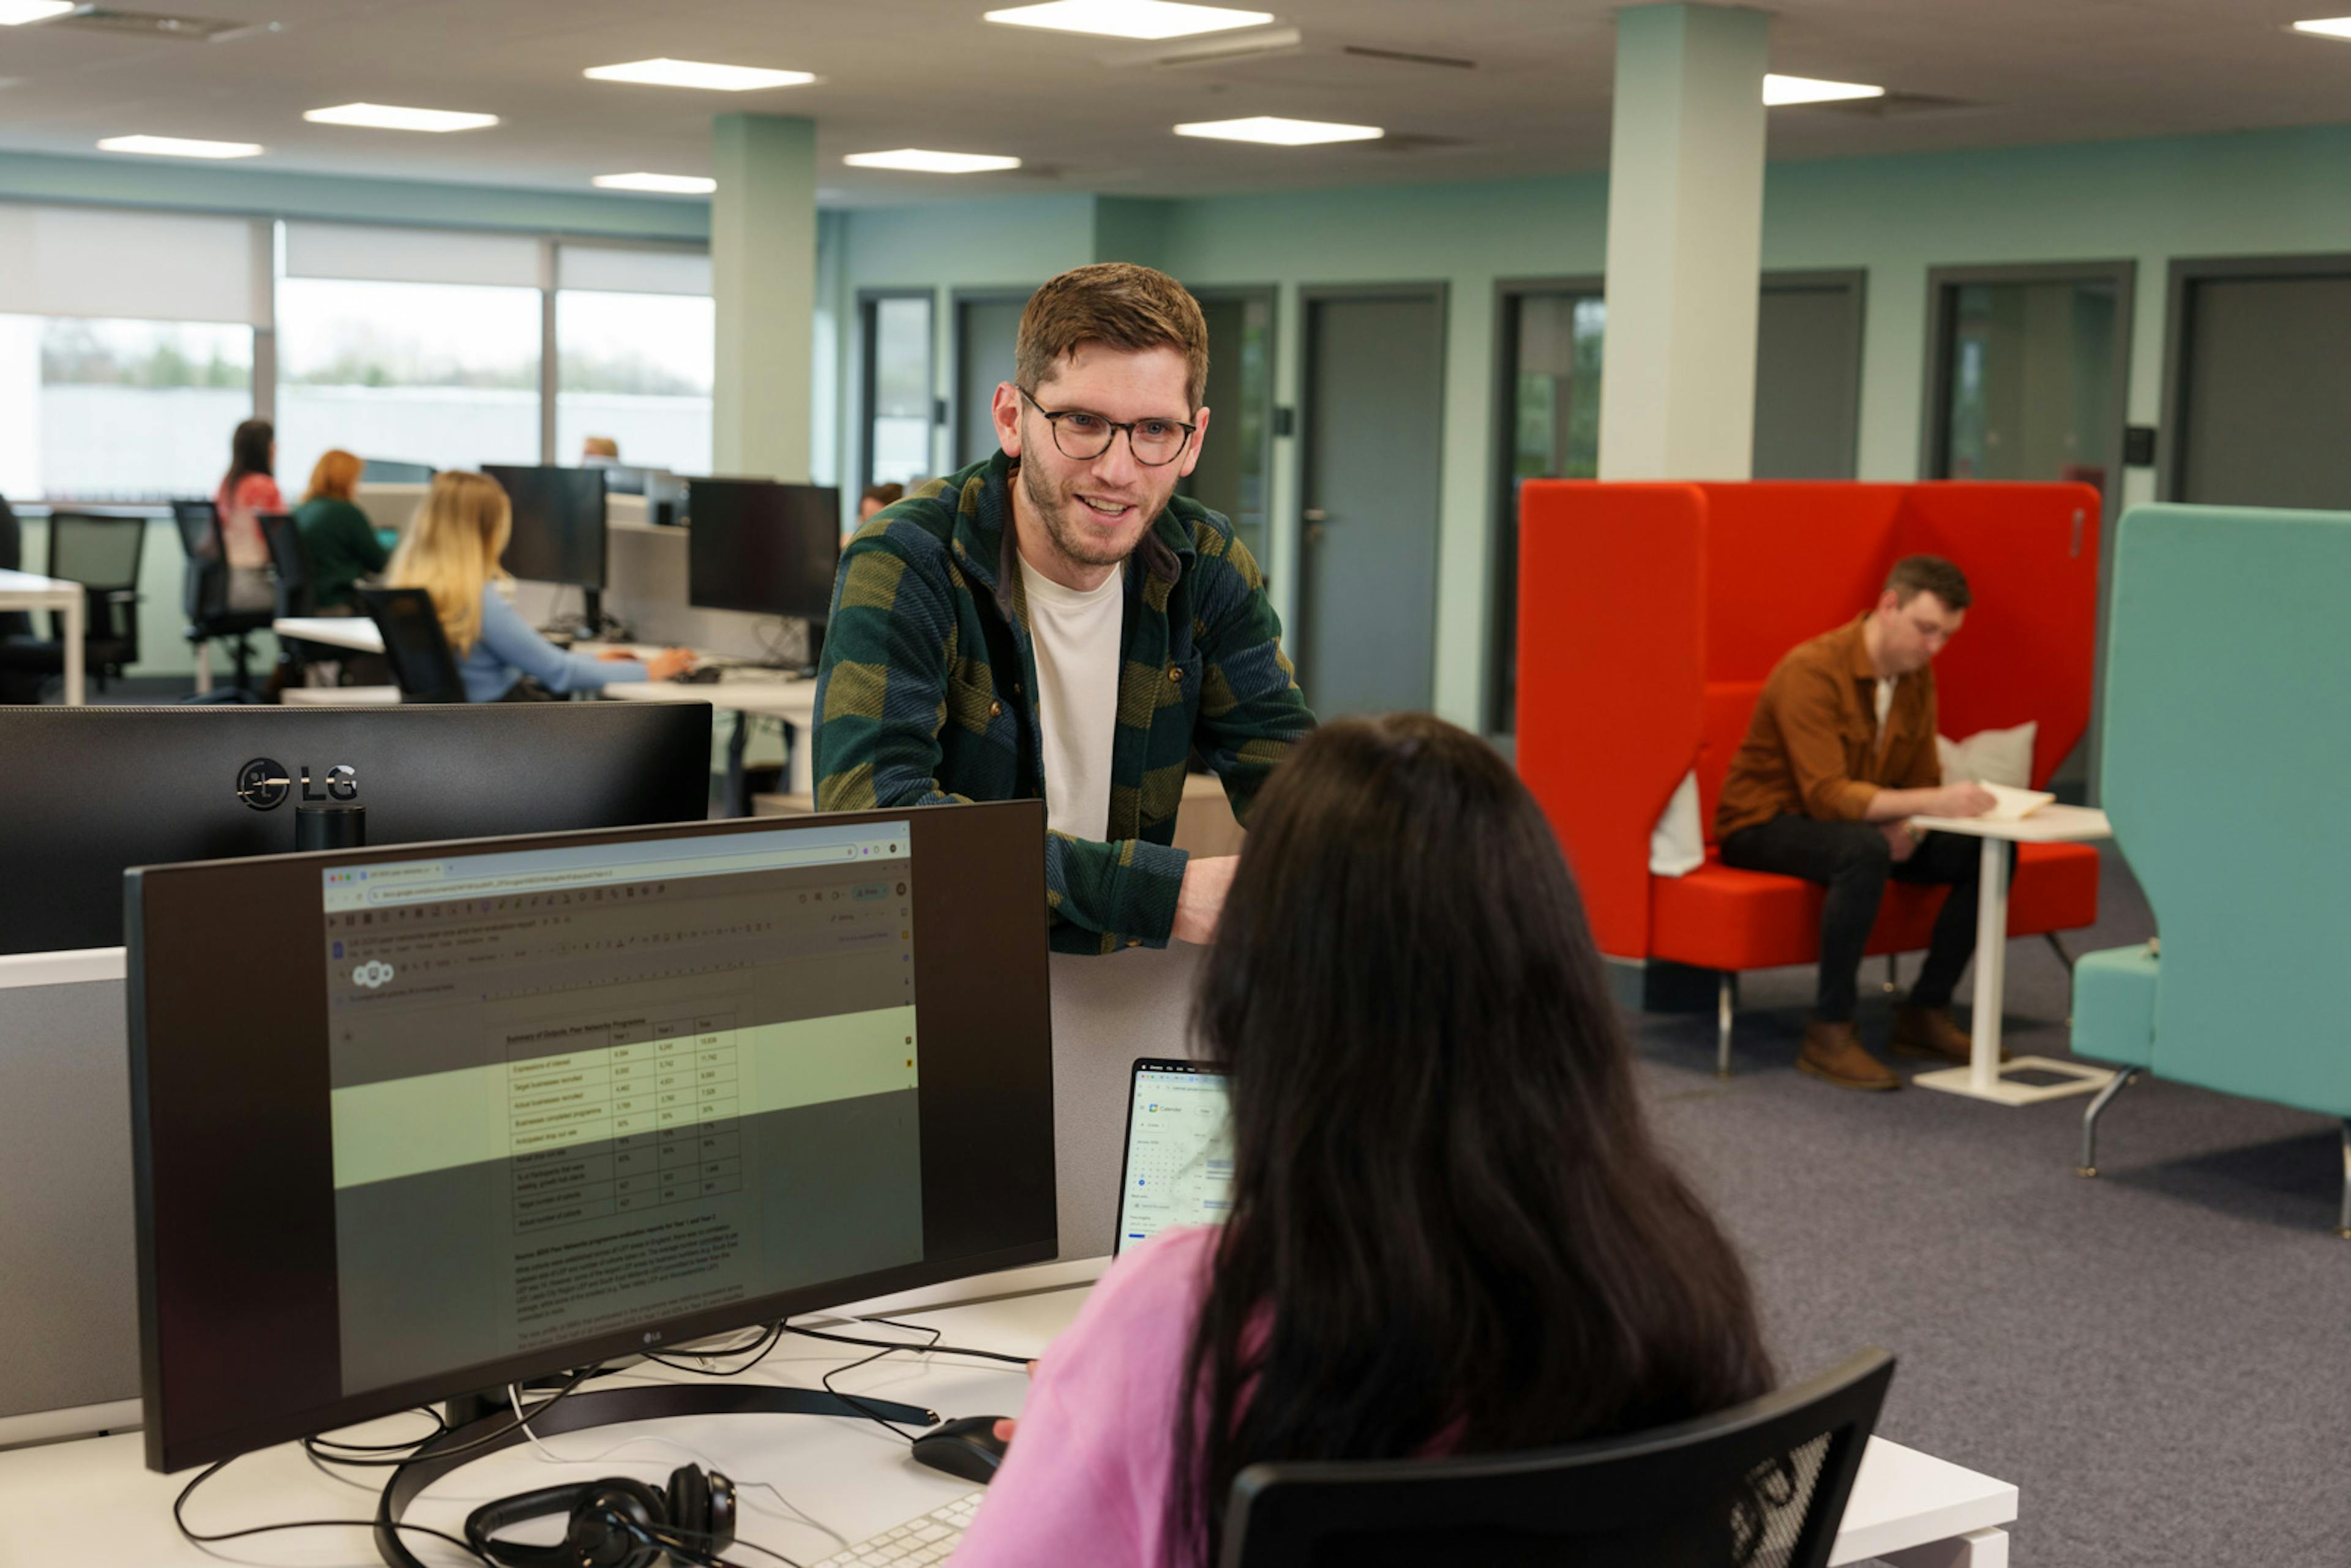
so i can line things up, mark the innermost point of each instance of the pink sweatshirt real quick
(1086, 1476)
(240, 524)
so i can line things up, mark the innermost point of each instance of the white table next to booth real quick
(1984, 1077)
(93, 1504)
(24, 591)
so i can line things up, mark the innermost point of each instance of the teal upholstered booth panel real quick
(2227, 753)
(2113, 1006)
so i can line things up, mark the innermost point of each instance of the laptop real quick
(1178, 1166)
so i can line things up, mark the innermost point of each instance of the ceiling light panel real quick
(1276, 132)
(1150, 19)
(179, 146)
(667, 185)
(924, 161)
(16, 13)
(391, 116)
(2327, 27)
(1780, 89)
(697, 74)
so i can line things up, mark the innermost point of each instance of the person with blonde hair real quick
(452, 552)
(336, 536)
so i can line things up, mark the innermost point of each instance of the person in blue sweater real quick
(452, 552)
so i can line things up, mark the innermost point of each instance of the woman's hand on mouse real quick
(1006, 1428)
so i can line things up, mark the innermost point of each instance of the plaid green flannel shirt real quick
(927, 691)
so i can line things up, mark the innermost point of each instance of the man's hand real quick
(669, 663)
(1962, 801)
(1898, 838)
(1202, 897)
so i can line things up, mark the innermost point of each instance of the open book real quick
(2013, 805)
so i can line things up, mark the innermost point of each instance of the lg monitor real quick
(558, 529)
(86, 792)
(529, 1103)
(758, 546)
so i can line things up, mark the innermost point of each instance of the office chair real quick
(291, 561)
(102, 554)
(414, 644)
(1764, 1483)
(204, 594)
(15, 687)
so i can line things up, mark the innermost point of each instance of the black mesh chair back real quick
(1761, 1485)
(291, 561)
(203, 593)
(101, 553)
(414, 644)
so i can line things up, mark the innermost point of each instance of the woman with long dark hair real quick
(248, 489)
(1451, 1229)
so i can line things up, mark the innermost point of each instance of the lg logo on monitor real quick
(264, 783)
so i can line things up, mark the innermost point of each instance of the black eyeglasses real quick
(1156, 442)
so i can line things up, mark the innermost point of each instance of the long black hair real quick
(1451, 1228)
(248, 453)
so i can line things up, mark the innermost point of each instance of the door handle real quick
(1315, 515)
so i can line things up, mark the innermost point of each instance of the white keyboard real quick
(926, 1538)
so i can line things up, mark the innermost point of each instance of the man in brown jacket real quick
(1839, 756)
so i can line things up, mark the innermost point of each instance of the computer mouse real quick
(967, 1447)
(701, 675)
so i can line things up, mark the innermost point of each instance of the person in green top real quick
(336, 535)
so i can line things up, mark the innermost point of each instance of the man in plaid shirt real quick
(1055, 622)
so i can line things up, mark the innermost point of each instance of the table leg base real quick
(2079, 1079)
(1977, 1549)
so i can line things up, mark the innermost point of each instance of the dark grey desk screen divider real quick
(87, 792)
(403, 1129)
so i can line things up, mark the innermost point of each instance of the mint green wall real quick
(161, 183)
(2254, 192)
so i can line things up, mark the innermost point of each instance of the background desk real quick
(24, 591)
(91, 1504)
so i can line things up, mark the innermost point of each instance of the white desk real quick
(1982, 1078)
(755, 694)
(23, 591)
(91, 1503)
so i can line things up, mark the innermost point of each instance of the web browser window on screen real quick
(587, 1086)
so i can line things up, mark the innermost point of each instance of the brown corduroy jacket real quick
(1812, 749)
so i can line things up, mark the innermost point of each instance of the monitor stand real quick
(487, 1420)
(591, 613)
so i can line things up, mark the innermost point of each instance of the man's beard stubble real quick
(1048, 506)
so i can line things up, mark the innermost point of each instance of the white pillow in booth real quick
(1678, 843)
(1989, 757)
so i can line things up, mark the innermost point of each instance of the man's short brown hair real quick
(1917, 574)
(1120, 306)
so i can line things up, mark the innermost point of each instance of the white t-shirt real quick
(1077, 637)
(1885, 706)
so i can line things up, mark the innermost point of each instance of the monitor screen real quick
(101, 788)
(756, 546)
(559, 524)
(391, 471)
(1179, 1151)
(530, 1103)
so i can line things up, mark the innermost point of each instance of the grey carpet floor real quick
(2159, 1359)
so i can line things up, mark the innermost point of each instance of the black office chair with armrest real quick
(101, 553)
(1761, 1484)
(206, 593)
(414, 644)
(290, 562)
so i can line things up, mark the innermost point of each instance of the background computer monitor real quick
(390, 470)
(455, 1057)
(84, 792)
(758, 546)
(559, 524)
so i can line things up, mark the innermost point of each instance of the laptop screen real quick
(1179, 1151)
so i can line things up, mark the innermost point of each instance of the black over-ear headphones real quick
(615, 1523)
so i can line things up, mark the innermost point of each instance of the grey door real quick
(1808, 377)
(2261, 382)
(1374, 401)
(985, 332)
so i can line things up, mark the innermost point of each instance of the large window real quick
(441, 373)
(636, 368)
(118, 411)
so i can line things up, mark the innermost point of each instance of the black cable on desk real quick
(486, 1440)
(179, 1517)
(933, 1348)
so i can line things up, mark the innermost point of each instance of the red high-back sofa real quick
(1649, 615)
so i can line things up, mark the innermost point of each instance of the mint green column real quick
(763, 275)
(1684, 244)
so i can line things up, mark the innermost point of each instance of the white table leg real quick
(204, 667)
(1980, 1549)
(76, 614)
(1992, 965)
